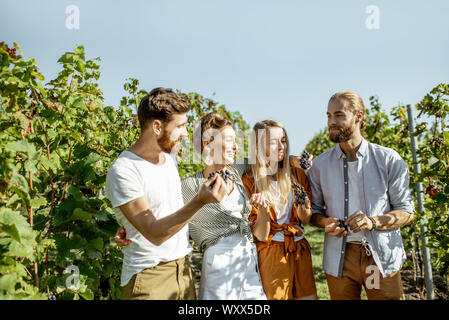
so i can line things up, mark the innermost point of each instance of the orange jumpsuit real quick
(285, 267)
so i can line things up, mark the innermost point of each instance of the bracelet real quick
(374, 223)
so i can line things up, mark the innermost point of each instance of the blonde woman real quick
(284, 256)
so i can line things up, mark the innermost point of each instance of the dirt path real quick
(415, 290)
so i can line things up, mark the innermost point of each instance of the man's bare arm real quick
(157, 231)
(393, 219)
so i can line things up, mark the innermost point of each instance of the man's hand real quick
(359, 221)
(208, 194)
(332, 227)
(120, 237)
(296, 162)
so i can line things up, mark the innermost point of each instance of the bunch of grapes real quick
(300, 194)
(304, 161)
(342, 225)
(12, 52)
(225, 174)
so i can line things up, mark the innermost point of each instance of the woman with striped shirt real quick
(222, 230)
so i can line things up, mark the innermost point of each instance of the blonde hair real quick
(355, 104)
(259, 169)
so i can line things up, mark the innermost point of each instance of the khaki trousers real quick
(170, 280)
(359, 270)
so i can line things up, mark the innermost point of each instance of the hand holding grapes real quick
(333, 227)
(304, 161)
(213, 190)
(226, 175)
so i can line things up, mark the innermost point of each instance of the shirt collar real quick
(360, 153)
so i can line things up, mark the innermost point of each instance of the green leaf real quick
(38, 202)
(76, 193)
(10, 217)
(68, 57)
(79, 104)
(80, 214)
(11, 230)
(17, 249)
(446, 138)
(91, 158)
(97, 243)
(80, 66)
(22, 146)
(47, 164)
(17, 146)
(8, 282)
(87, 294)
(79, 50)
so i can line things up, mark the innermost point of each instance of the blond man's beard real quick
(343, 134)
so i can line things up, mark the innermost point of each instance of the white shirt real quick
(234, 202)
(229, 269)
(354, 198)
(283, 213)
(131, 177)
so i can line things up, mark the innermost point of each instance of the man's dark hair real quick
(160, 104)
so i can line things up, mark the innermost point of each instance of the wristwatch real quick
(374, 223)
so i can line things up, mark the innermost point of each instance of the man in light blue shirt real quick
(360, 196)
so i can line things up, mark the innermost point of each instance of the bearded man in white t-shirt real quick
(144, 187)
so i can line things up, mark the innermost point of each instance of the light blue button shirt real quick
(384, 182)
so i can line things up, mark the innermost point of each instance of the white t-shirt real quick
(131, 177)
(283, 213)
(354, 198)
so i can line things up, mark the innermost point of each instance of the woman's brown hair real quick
(212, 120)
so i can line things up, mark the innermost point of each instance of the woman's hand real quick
(258, 200)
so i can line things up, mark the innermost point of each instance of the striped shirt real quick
(213, 221)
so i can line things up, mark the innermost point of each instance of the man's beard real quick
(343, 134)
(165, 143)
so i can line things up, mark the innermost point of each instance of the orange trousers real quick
(359, 270)
(286, 275)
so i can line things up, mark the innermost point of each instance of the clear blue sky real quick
(267, 59)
